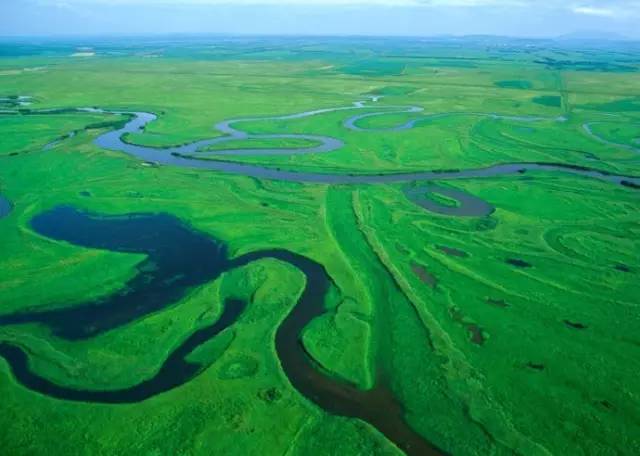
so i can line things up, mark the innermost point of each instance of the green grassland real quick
(614, 132)
(486, 357)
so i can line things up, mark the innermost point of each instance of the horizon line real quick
(567, 37)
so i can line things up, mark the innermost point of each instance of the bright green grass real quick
(514, 84)
(618, 132)
(571, 244)
(395, 90)
(374, 68)
(283, 143)
(27, 133)
(531, 384)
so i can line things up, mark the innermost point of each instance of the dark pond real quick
(622, 268)
(424, 275)
(518, 263)
(574, 325)
(453, 252)
(497, 302)
(5, 207)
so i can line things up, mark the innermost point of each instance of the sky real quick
(523, 18)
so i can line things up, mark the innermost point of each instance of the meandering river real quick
(191, 155)
(191, 259)
(196, 155)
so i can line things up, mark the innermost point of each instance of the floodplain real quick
(319, 246)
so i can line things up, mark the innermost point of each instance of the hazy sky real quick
(324, 17)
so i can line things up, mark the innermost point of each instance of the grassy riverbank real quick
(511, 333)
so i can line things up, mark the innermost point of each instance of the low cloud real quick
(594, 11)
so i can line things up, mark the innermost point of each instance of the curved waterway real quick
(352, 122)
(195, 154)
(188, 155)
(184, 259)
(466, 205)
(588, 129)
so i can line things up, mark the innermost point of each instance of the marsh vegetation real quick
(399, 247)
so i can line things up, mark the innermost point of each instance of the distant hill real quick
(593, 35)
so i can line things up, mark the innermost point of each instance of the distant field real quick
(509, 333)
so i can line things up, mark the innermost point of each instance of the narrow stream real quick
(588, 129)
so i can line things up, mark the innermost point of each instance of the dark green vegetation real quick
(514, 331)
(515, 84)
(549, 100)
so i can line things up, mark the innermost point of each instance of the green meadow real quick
(513, 333)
